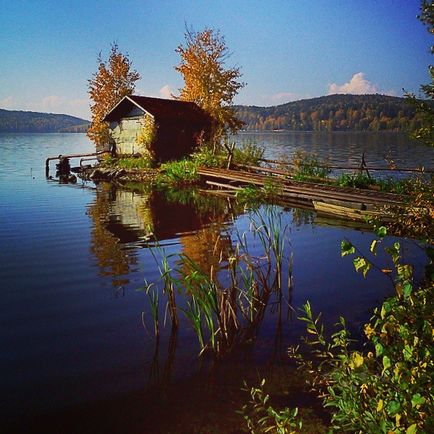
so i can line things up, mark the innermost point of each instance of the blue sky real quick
(287, 49)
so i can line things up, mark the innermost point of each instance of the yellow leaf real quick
(380, 405)
(357, 359)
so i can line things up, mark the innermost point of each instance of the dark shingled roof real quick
(161, 109)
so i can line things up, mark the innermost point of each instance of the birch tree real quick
(114, 79)
(208, 81)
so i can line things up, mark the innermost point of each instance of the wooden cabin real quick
(180, 126)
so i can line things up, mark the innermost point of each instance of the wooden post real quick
(230, 157)
(364, 167)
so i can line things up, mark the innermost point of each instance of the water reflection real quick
(108, 232)
(131, 217)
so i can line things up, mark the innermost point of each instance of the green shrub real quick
(387, 387)
(356, 180)
(262, 418)
(145, 139)
(307, 167)
(143, 162)
(249, 154)
(204, 156)
(177, 173)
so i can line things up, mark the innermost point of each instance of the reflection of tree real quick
(208, 247)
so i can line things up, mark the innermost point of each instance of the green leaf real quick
(407, 289)
(347, 248)
(366, 268)
(379, 349)
(386, 363)
(417, 399)
(393, 407)
(380, 405)
(381, 231)
(412, 429)
(408, 353)
(404, 271)
(357, 359)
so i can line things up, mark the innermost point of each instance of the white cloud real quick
(358, 85)
(165, 92)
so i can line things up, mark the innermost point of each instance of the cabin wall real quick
(174, 139)
(124, 134)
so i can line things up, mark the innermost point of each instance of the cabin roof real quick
(160, 109)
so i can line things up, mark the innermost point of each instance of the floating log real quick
(346, 210)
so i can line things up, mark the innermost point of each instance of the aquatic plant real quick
(252, 196)
(226, 304)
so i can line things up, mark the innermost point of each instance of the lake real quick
(78, 352)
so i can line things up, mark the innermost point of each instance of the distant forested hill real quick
(333, 113)
(13, 121)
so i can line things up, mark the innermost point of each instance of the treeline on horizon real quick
(326, 113)
(334, 113)
(14, 121)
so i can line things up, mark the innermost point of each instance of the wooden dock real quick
(341, 199)
(302, 190)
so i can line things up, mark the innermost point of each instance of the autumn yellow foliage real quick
(207, 80)
(114, 79)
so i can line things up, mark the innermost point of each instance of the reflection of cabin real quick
(180, 126)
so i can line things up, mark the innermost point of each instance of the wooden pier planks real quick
(300, 190)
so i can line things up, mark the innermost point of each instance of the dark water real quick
(75, 354)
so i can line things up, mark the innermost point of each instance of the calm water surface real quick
(77, 355)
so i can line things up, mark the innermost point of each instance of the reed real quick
(226, 304)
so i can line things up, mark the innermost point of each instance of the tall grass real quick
(225, 305)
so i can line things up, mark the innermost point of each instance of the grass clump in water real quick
(226, 303)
